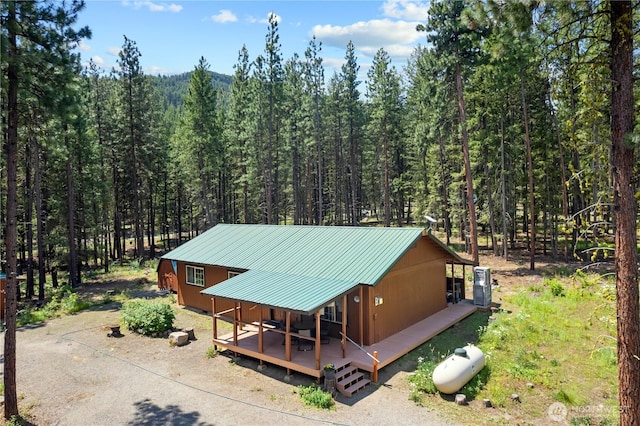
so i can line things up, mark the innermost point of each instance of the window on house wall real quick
(231, 274)
(195, 275)
(333, 312)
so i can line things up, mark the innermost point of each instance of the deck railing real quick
(374, 357)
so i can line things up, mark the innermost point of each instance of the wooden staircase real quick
(350, 380)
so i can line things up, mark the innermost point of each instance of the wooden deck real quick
(304, 361)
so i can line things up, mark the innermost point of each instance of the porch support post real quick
(260, 334)
(464, 282)
(235, 323)
(287, 337)
(317, 340)
(344, 326)
(361, 315)
(215, 322)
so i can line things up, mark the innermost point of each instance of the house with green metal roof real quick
(309, 285)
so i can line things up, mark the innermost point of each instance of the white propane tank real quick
(456, 370)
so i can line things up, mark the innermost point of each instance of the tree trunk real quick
(37, 177)
(10, 391)
(492, 221)
(386, 178)
(73, 256)
(563, 175)
(473, 225)
(444, 188)
(625, 211)
(353, 177)
(28, 219)
(532, 211)
(503, 192)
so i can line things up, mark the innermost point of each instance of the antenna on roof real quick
(430, 220)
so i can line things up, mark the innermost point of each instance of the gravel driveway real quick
(71, 373)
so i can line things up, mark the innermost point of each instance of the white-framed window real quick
(333, 311)
(231, 274)
(195, 275)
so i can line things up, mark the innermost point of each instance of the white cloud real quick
(115, 51)
(333, 63)
(97, 60)
(153, 7)
(84, 46)
(224, 16)
(254, 20)
(370, 34)
(405, 9)
(395, 51)
(156, 70)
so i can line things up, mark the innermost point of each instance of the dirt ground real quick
(71, 373)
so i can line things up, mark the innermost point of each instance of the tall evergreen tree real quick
(456, 41)
(135, 101)
(354, 121)
(625, 212)
(383, 91)
(35, 37)
(314, 73)
(237, 132)
(273, 88)
(200, 148)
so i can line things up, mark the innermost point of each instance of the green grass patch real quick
(553, 341)
(64, 301)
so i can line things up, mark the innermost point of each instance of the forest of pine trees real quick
(501, 127)
(508, 124)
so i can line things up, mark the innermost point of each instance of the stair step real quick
(353, 388)
(345, 372)
(350, 380)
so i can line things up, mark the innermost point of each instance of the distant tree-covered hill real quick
(173, 88)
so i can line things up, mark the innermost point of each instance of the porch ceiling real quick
(287, 291)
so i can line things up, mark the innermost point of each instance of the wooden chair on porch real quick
(324, 333)
(283, 327)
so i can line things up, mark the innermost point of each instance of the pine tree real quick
(625, 212)
(38, 37)
(383, 91)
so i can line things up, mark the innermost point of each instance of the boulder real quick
(178, 338)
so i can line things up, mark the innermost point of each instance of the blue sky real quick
(172, 36)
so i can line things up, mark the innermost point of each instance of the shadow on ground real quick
(148, 413)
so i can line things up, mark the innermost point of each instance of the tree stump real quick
(190, 333)
(461, 399)
(115, 331)
(330, 386)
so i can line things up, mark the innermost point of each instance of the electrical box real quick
(482, 286)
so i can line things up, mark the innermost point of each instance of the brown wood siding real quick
(167, 279)
(412, 290)
(189, 295)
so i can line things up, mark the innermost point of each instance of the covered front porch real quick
(270, 344)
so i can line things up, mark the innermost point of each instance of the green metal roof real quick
(353, 254)
(298, 268)
(289, 292)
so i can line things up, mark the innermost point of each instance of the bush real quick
(422, 380)
(314, 396)
(557, 289)
(147, 317)
(71, 303)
